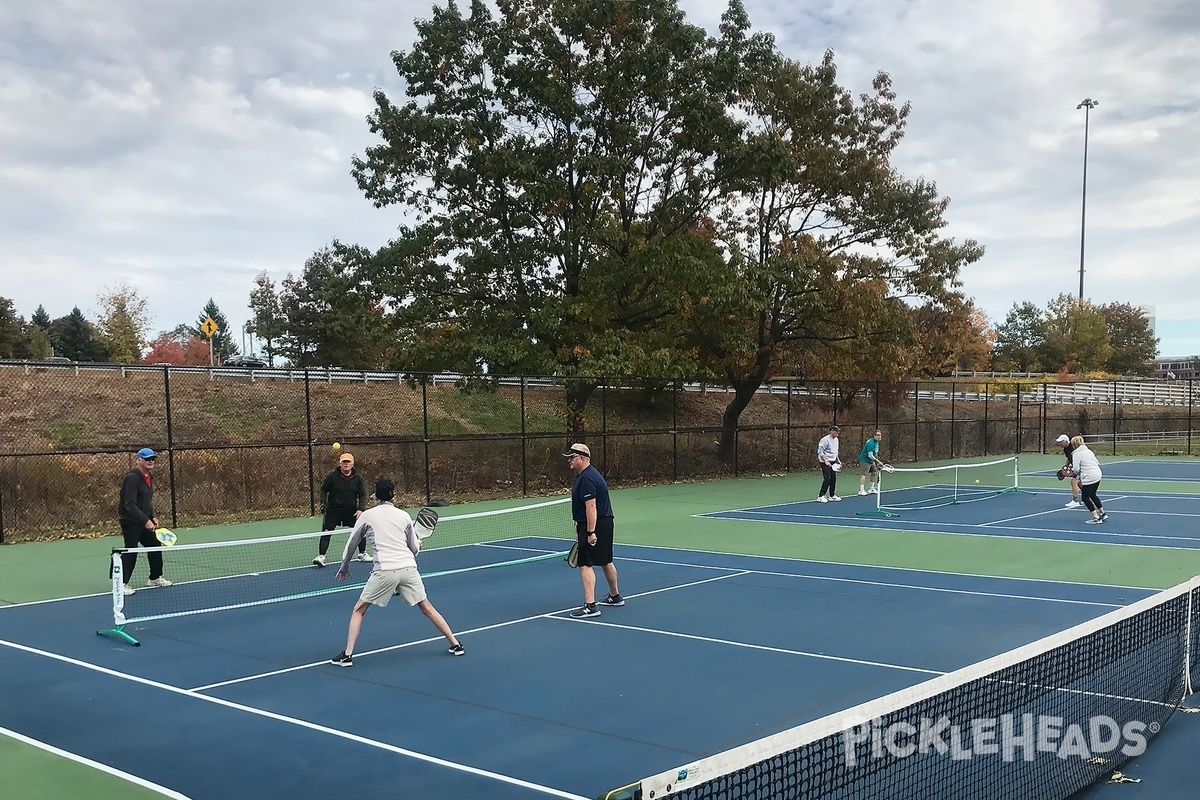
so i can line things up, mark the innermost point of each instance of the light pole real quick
(1087, 105)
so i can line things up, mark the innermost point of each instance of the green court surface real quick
(653, 515)
(31, 773)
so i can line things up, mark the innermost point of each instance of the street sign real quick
(209, 327)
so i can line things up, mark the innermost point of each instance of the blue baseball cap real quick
(146, 453)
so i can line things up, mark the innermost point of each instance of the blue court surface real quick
(711, 651)
(1143, 470)
(1147, 519)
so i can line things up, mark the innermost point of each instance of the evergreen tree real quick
(40, 318)
(74, 337)
(10, 328)
(223, 345)
(267, 322)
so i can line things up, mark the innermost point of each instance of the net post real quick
(1016, 487)
(118, 595)
(1189, 638)
(631, 792)
(878, 510)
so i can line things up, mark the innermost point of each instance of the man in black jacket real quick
(343, 499)
(135, 510)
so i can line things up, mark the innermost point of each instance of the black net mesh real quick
(1042, 722)
(226, 575)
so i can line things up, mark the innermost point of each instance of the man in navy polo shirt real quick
(593, 515)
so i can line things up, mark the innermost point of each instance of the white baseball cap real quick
(1062, 437)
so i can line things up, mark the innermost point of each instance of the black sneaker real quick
(342, 660)
(588, 610)
(457, 650)
(613, 600)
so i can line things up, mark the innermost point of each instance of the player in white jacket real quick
(395, 544)
(1087, 469)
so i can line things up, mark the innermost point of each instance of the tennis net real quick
(227, 575)
(1042, 721)
(900, 489)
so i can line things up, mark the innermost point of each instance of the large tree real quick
(332, 316)
(555, 158)
(267, 320)
(11, 328)
(35, 344)
(123, 323)
(1020, 337)
(1076, 336)
(828, 240)
(74, 337)
(40, 318)
(37, 335)
(952, 336)
(1134, 346)
(168, 349)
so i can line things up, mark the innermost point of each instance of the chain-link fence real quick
(240, 444)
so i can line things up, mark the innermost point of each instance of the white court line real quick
(1063, 509)
(441, 762)
(734, 572)
(49, 748)
(864, 582)
(896, 525)
(709, 516)
(750, 646)
(427, 640)
(883, 567)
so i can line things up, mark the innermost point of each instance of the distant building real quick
(1177, 368)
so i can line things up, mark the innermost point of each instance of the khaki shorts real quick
(384, 583)
(868, 468)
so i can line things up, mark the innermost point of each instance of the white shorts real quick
(383, 583)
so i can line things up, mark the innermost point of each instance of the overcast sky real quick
(186, 146)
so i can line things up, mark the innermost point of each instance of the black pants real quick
(830, 480)
(1088, 490)
(135, 535)
(333, 518)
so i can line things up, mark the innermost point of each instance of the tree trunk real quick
(578, 394)
(743, 393)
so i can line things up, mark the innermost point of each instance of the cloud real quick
(188, 146)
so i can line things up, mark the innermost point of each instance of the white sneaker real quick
(364, 557)
(319, 561)
(159, 581)
(834, 498)
(862, 492)
(127, 590)
(1073, 504)
(822, 499)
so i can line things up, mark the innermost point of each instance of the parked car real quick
(245, 362)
